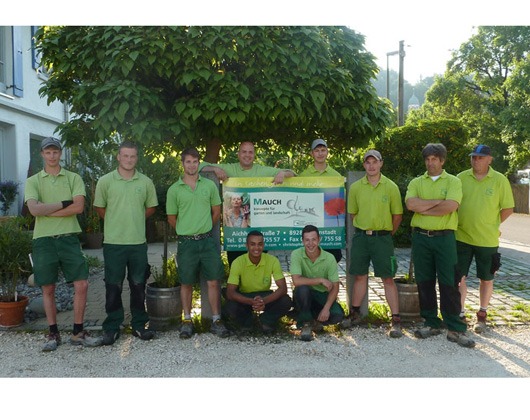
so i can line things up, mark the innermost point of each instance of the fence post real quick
(351, 177)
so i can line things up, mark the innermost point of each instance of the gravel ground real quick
(359, 353)
(333, 362)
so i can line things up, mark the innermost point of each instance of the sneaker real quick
(83, 338)
(460, 338)
(144, 334)
(186, 330)
(395, 329)
(307, 332)
(109, 337)
(354, 318)
(52, 341)
(426, 332)
(480, 326)
(218, 328)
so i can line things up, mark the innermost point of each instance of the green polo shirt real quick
(312, 171)
(325, 266)
(47, 189)
(479, 213)
(374, 206)
(250, 277)
(446, 187)
(125, 201)
(234, 170)
(193, 208)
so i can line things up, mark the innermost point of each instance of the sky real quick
(430, 29)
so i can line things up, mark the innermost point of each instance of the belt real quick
(197, 237)
(62, 235)
(432, 233)
(373, 232)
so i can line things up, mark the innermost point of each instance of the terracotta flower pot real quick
(12, 313)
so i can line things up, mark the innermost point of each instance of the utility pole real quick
(388, 54)
(401, 113)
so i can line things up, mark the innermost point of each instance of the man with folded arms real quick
(434, 198)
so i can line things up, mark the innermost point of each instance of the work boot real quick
(186, 329)
(480, 326)
(460, 338)
(52, 341)
(395, 329)
(426, 332)
(353, 318)
(307, 332)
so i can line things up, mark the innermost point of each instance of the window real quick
(3, 59)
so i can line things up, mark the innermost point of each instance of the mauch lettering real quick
(264, 202)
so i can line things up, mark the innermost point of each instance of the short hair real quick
(310, 228)
(434, 149)
(127, 144)
(190, 151)
(254, 233)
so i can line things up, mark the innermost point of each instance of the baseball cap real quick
(481, 150)
(318, 142)
(50, 141)
(373, 153)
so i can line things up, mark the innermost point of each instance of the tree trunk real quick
(212, 150)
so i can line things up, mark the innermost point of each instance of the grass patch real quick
(378, 313)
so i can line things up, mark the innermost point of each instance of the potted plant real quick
(8, 193)
(15, 247)
(162, 297)
(409, 301)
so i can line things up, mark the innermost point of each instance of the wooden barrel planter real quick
(164, 307)
(409, 301)
(12, 313)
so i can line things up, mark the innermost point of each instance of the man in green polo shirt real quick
(434, 198)
(248, 288)
(316, 279)
(320, 167)
(193, 206)
(374, 203)
(55, 197)
(487, 202)
(124, 198)
(245, 168)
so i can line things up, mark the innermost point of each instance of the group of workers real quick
(456, 219)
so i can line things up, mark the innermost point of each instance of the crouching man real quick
(248, 288)
(316, 279)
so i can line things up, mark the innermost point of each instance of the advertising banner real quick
(281, 211)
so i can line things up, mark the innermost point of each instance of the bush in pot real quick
(15, 266)
(8, 193)
(163, 302)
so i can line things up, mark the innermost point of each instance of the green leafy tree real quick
(171, 87)
(477, 89)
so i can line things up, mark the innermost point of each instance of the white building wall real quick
(23, 118)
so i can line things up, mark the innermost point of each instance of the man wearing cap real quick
(374, 203)
(245, 168)
(487, 202)
(193, 206)
(320, 167)
(124, 198)
(434, 198)
(55, 197)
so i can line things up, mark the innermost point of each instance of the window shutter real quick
(18, 87)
